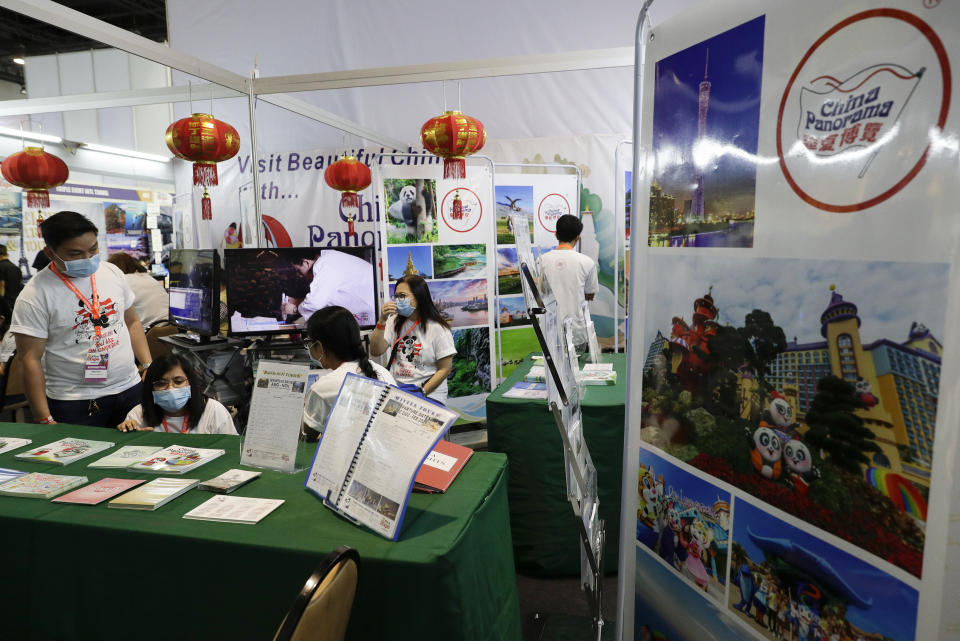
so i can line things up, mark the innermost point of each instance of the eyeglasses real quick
(177, 381)
(308, 343)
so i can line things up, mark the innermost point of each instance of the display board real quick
(120, 214)
(455, 252)
(794, 271)
(541, 198)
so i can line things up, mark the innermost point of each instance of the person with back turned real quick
(571, 275)
(77, 331)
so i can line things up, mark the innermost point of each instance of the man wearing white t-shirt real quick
(77, 331)
(571, 275)
(336, 278)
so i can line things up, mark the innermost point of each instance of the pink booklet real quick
(98, 492)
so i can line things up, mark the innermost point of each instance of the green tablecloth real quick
(544, 529)
(89, 572)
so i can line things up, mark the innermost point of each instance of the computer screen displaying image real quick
(195, 290)
(275, 290)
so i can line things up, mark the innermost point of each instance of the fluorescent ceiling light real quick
(17, 60)
(29, 135)
(125, 152)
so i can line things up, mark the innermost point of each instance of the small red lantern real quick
(205, 141)
(348, 175)
(453, 136)
(35, 171)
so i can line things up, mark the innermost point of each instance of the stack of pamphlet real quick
(154, 494)
(176, 459)
(65, 451)
(41, 486)
(98, 492)
(234, 509)
(126, 456)
(8, 443)
(598, 374)
(228, 481)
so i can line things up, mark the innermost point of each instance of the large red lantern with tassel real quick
(453, 136)
(205, 141)
(35, 171)
(348, 176)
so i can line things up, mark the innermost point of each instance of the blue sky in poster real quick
(681, 481)
(506, 257)
(889, 296)
(894, 608)
(514, 304)
(507, 193)
(397, 260)
(733, 118)
(668, 604)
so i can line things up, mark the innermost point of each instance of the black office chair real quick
(322, 609)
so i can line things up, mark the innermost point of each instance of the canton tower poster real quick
(791, 452)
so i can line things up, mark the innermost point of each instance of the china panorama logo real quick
(850, 138)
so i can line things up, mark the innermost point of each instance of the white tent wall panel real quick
(76, 76)
(42, 77)
(111, 72)
(150, 121)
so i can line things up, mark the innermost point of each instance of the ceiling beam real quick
(105, 99)
(84, 25)
(508, 66)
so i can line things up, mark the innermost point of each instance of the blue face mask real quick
(173, 399)
(404, 307)
(81, 266)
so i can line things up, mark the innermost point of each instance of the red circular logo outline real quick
(443, 210)
(540, 207)
(942, 58)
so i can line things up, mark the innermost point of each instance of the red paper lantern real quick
(205, 141)
(453, 136)
(35, 171)
(348, 176)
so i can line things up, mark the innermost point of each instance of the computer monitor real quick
(195, 290)
(275, 290)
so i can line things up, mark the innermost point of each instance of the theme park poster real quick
(808, 374)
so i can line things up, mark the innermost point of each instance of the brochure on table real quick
(793, 290)
(276, 415)
(593, 345)
(375, 441)
(423, 233)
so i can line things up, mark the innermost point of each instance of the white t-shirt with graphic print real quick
(216, 419)
(47, 308)
(419, 352)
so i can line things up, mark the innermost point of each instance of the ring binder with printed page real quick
(375, 440)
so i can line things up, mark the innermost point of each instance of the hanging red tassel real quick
(204, 174)
(350, 208)
(206, 209)
(39, 219)
(454, 168)
(37, 198)
(457, 206)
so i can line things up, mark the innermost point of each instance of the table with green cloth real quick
(545, 532)
(93, 572)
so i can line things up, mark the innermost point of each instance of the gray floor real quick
(557, 610)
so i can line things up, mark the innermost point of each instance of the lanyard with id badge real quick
(95, 369)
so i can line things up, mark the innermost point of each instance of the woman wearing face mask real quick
(333, 339)
(419, 340)
(173, 401)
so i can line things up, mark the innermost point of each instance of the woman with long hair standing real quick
(419, 340)
(333, 339)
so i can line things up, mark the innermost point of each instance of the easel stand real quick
(565, 406)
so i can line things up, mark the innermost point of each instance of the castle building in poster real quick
(897, 381)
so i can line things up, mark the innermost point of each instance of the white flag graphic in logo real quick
(839, 117)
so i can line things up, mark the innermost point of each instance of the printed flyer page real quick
(276, 411)
(401, 435)
(338, 446)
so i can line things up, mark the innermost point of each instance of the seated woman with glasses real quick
(173, 401)
(334, 344)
